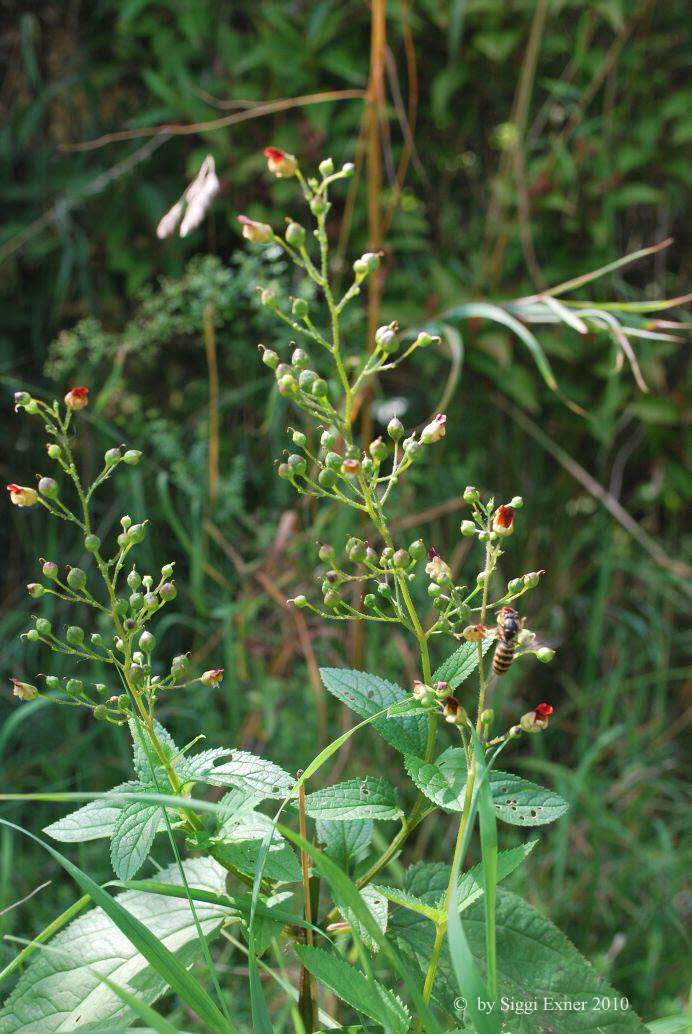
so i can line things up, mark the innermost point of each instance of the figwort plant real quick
(447, 940)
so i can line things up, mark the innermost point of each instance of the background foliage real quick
(90, 295)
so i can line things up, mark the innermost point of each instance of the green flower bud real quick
(299, 439)
(318, 205)
(121, 607)
(75, 635)
(167, 571)
(21, 399)
(295, 235)
(384, 590)
(402, 559)
(268, 298)
(326, 552)
(31, 635)
(386, 337)
(287, 386)
(327, 478)
(297, 464)
(124, 702)
(269, 358)
(320, 388)
(545, 654)
(395, 429)
(516, 585)
(300, 308)
(74, 687)
(417, 549)
(136, 533)
(54, 450)
(467, 528)
(96, 639)
(285, 472)
(484, 536)
(366, 465)
(35, 590)
(378, 450)
(100, 712)
(43, 626)
(333, 461)
(424, 340)
(113, 456)
(147, 642)
(307, 379)
(76, 578)
(132, 456)
(180, 664)
(370, 601)
(126, 522)
(48, 487)
(92, 543)
(134, 579)
(151, 600)
(471, 494)
(356, 552)
(50, 569)
(532, 579)
(52, 682)
(326, 167)
(129, 624)
(136, 601)
(168, 592)
(329, 438)
(300, 359)
(516, 502)
(332, 599)
(300, 602)
(434, 590)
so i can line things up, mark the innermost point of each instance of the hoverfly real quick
(509, 625)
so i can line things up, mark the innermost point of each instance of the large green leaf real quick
(539, 968)
(366, 695)
(62, 989)
(346, 841)
(133, 835)
(368, 798)
(240, 844)
(459, 665)
(516, 800)
(95, 820)
(364, 994)
(254, 775)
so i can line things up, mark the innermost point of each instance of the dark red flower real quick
(543, 710)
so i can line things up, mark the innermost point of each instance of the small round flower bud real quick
(74, 687)
(395, 429)
(329, 438)
(31, 635)
(300, 602)
(75, 635)
(487, 716)
(168, 592)
(319, 206)
(54, 450)
(268, 298)
(112, 456)
(326, 167)
(325, 552)
(306, 379)
(402, 559)
(532, 579)
(333, 461)
(435, 430)
(545, 654)
(147, 642)
(471, 494)
(515, 585)
(320, 388)
(92, 543)
(387, 554)
(297, 464)
(126, 522)
(211, 678)
(35, 590)
(516, 502)
(436, 568)
(417, 549)
(136, 601)
(350, 468)
(180, 664)
(21, 495)
(327, 478)
(384, 590)
(48, 487)
(484, 536)
(411, 446)
(132, 457)
(434, 590)
(287, 385)
(96, 639)
(52, 682)
(21, 399)
(378, 450)
(43, 626)
(386, 338)
(76, 578)
(514, 732)
(295, 235)
(100, 712)
(300, 359)
(332, 599)
(167, 571)
(23, 690)
(356, 552)
(136, 533)
(134, 579)
(129, 624)
(50, 569)
(77, 398)
(121, 607)
(480, 577)
(151, 600)
(441, 689)
(123, 702)
(370, 600)
(467, 528)
(424, 340)
(269, 358)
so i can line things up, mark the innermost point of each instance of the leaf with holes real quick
(522, 803)
(457, 668)
(378, 907)
(368, 798)
(252, 774)
(442, 781)
(364, 994)
(347, 841)
(366, 695)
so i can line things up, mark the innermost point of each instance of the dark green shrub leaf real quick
(366, 695)
(368, 798)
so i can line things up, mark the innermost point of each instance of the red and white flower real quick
(20, 495)
(77, 398)
(280, 162)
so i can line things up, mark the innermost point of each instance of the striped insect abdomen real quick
(502, 658)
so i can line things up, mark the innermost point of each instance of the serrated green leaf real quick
(92, 822)
(377, 905)
(62, 988)
(362, 993)
(133, 835)
(369, 798)
(457, 668)
(536, 963)
(242, 850)
(146, 761)
(198, 767)
(522, 803)
(345, 842)
(516, 800)
(254, 775)
(366, 695)
(471, 882)
(411, 902)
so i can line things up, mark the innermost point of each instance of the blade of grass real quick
(48, 931)
(488, 827)
(156, 953)
(586, 278)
